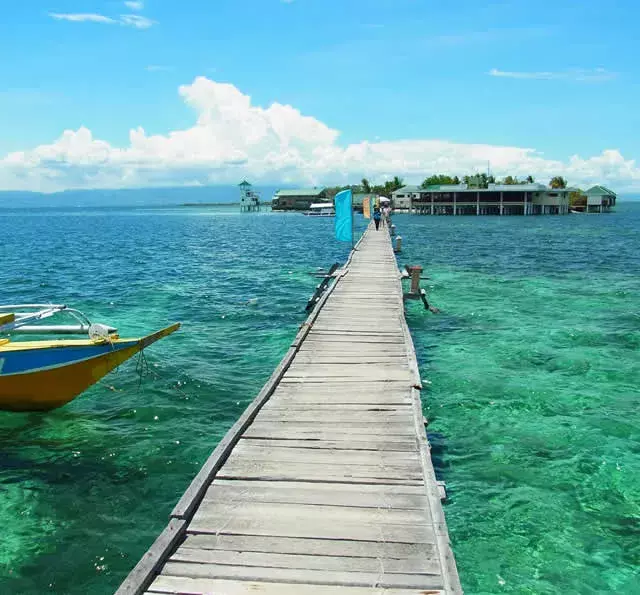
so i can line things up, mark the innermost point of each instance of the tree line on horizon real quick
(475, 181)
(483, 180)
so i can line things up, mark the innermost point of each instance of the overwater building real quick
(599, 200)
(496, 199)
(299, 199)
(402, 198)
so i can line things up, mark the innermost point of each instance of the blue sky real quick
(557, 77)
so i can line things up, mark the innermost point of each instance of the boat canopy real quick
(322, 205)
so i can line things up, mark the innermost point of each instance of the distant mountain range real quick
(130, 197)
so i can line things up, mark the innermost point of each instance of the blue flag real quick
(344, 216)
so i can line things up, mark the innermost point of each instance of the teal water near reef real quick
(533, 401)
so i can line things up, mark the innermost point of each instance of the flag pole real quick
(352, 224)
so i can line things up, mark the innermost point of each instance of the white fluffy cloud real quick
(232, 139)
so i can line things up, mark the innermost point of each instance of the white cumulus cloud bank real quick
(232, 139)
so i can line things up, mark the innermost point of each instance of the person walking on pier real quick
(376, 218)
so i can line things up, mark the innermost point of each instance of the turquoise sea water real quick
(533, 399)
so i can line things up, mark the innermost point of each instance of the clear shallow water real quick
(533, 363)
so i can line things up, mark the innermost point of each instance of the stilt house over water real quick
(600, 199)
(496, 199)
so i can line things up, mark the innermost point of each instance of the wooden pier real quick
(325, 484)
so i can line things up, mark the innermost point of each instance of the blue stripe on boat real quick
(29, 360)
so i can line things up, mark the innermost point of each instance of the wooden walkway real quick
(325, 484)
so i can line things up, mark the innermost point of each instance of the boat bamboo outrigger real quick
(44, 374)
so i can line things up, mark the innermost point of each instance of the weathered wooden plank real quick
(377, 425)
(326, 415)
(329, 494)
(198, 586)
(316, 346)
(275, 471)
(355, 335)
(390, 387)
(313, 400)
(371, 461)
(219, 512)
(325, 337)
(303, 576)
(260, 429)
(351, 326)
(337, 456)
(370, 443)
(412, 565)
(345, 379)
(353, 358)
(307, 396)
(343, 373)
(310, 546)
(367, 370)
(349, 317)
(346, 314)
(282, 432)
(315, 528)
(362, 353)
(289, 404)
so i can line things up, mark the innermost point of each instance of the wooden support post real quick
(393, 230)
(415, 272)
(398, 247)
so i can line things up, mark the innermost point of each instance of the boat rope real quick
(142, 367)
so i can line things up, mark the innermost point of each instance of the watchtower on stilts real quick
(249, 198)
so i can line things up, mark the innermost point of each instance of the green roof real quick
(407, 189)
(301, 192)
(599, 191)
(442, 188)
(244, 183)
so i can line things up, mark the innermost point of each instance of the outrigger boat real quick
(42, 375)
(321, 209)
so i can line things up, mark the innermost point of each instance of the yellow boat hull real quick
(54, 386)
